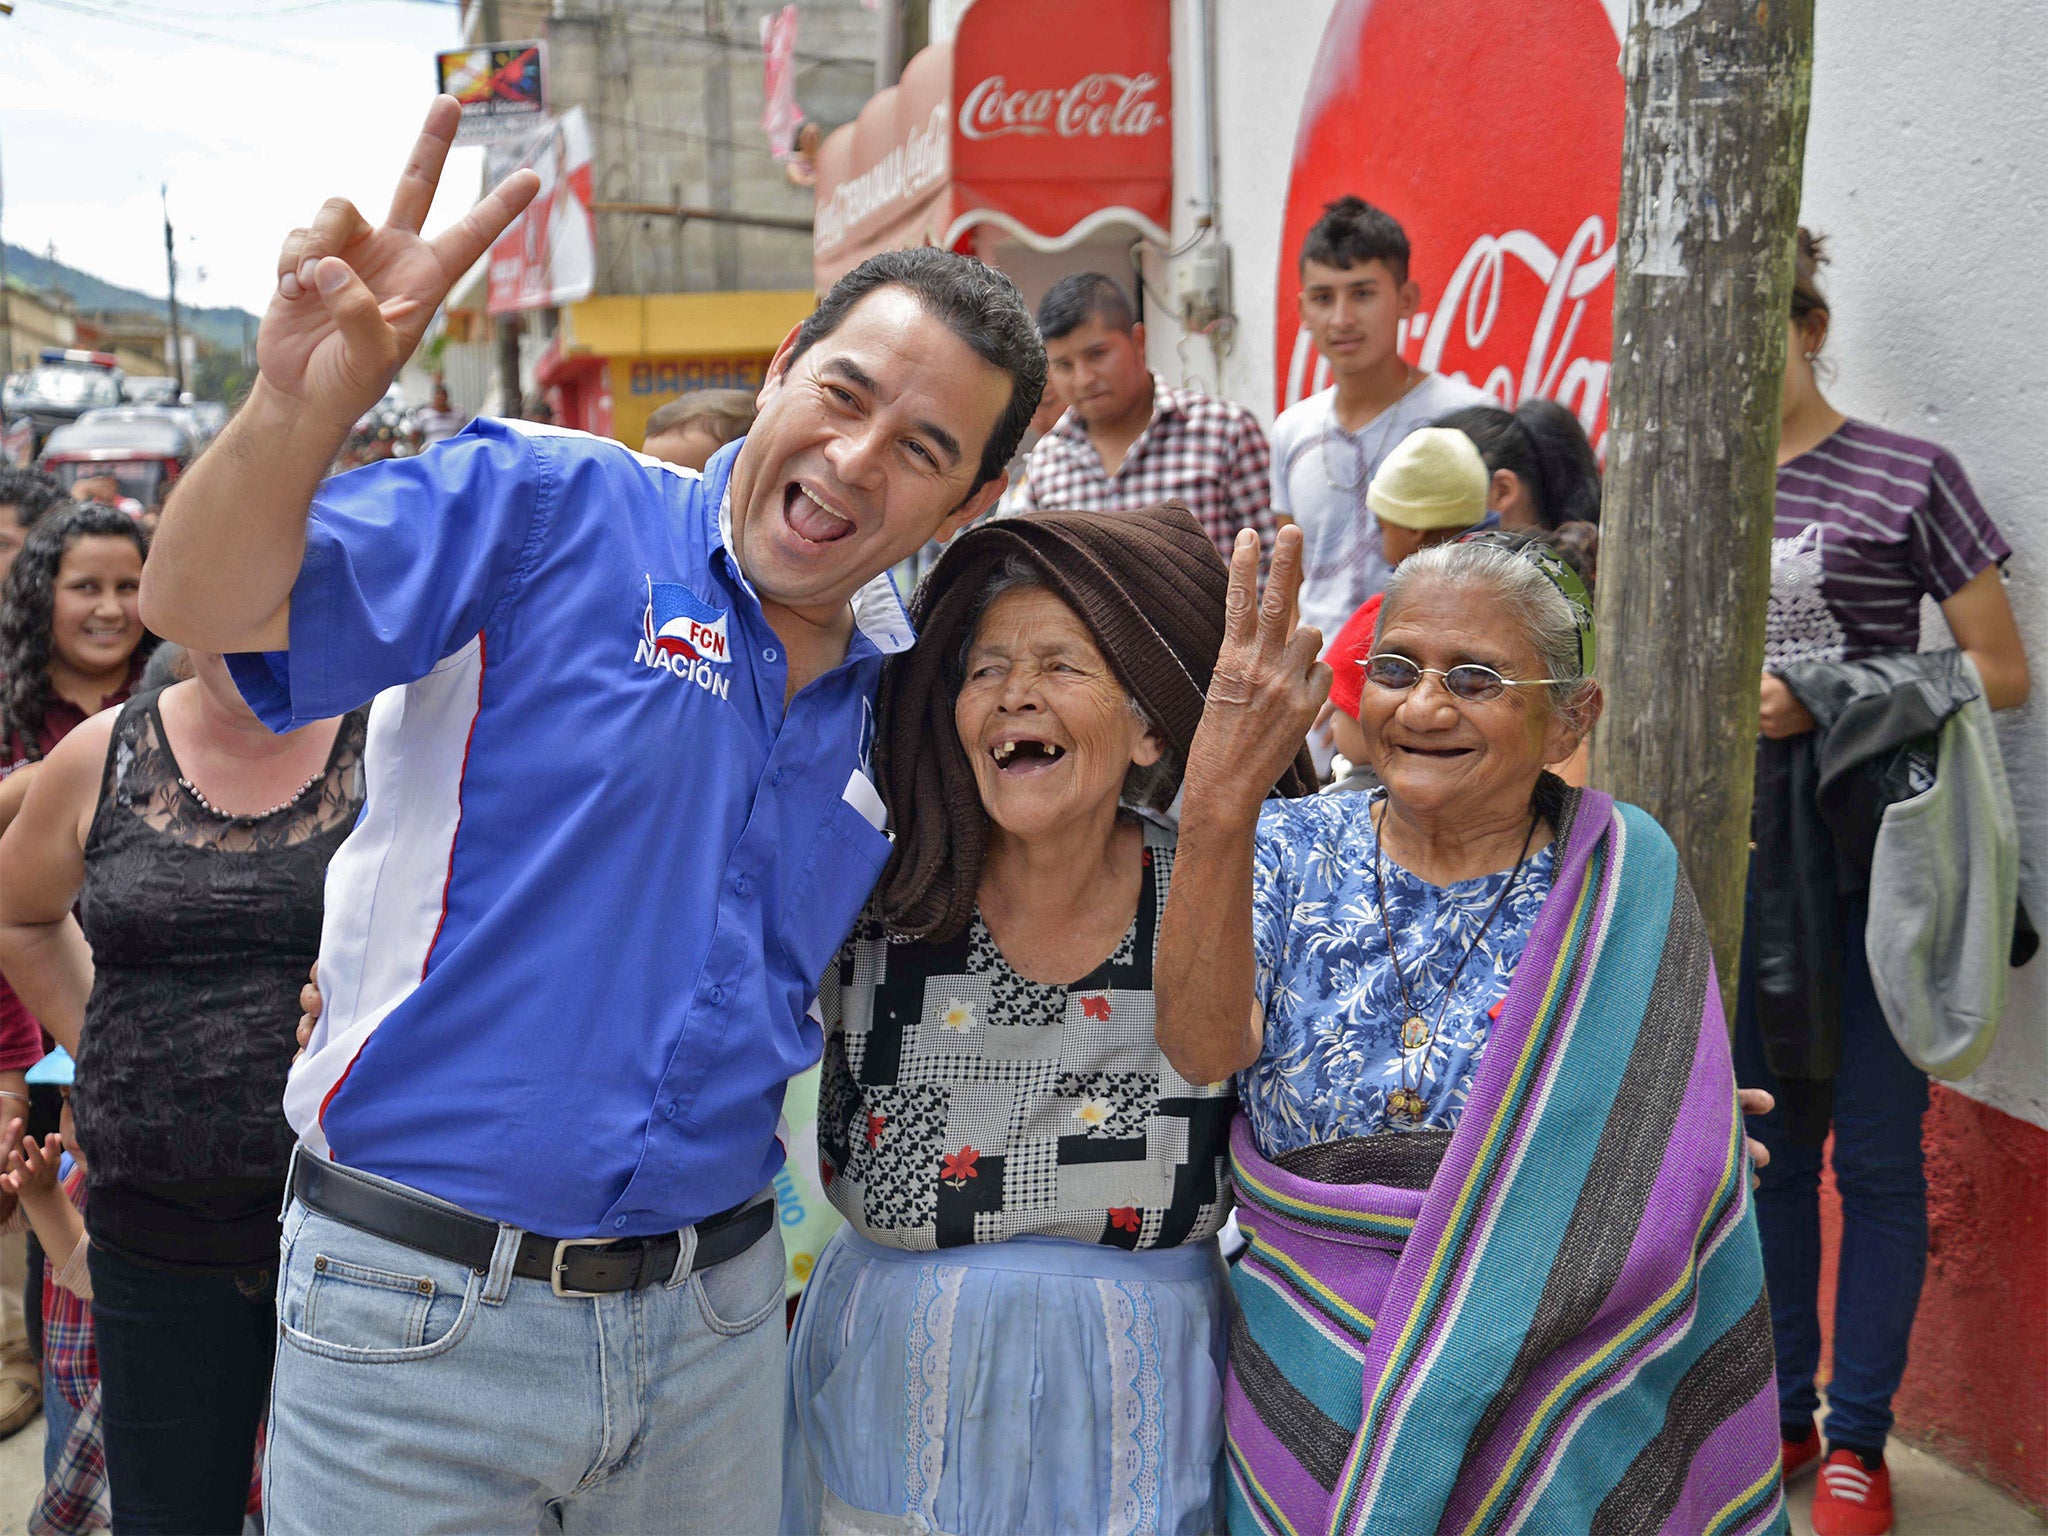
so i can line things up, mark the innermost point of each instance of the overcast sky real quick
(253, 112)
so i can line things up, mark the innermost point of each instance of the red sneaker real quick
(1850, 1499)
(1801, 1456)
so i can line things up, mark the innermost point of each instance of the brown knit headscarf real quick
(1150, 587)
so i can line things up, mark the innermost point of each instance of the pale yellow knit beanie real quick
(1433, 479)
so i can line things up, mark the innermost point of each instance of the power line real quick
(173, 29)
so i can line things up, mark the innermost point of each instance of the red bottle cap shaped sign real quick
(1493, 133)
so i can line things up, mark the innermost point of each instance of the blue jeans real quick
(413, 1394)
(1879, 1100)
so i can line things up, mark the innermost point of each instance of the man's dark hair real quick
(30, 492)
(1073, 301)
(1352, 232)
(978, 304)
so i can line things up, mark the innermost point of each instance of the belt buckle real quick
(561, 1263)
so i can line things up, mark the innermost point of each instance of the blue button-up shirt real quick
(570, 948)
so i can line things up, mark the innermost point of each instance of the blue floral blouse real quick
(1332, 1001)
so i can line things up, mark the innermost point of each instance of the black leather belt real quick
(574, 1266)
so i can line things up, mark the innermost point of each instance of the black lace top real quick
(202, 929)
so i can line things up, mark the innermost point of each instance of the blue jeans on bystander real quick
(1880, 1098)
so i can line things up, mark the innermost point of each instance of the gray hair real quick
(1153, 786)
(1526, 597)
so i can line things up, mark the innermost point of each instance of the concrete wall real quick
(675, 118)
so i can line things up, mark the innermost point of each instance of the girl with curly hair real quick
(71, 645)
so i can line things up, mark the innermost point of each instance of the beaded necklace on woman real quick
(1405, 1102)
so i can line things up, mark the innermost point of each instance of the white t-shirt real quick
(1320, 473)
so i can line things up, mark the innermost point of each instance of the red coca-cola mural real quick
(1493, 133)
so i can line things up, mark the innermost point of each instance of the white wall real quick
(1924, 162)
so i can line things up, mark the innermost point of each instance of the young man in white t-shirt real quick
(1355, 300)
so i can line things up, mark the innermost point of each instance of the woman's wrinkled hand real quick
(1266, 690)
(1780, 714)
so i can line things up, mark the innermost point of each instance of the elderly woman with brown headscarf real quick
(1023, 1324)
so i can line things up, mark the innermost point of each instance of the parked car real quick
(144, 448)
(149, 389)
(64, 386)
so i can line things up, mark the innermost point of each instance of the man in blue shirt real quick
(619, 818)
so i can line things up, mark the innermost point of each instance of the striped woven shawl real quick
(1552, 1320)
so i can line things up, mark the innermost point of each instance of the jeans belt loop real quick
(498, 1282)
(686, 1257)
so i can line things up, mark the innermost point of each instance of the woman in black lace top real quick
(195, 844)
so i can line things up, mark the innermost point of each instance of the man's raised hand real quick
(1267, 686)
(353, 301)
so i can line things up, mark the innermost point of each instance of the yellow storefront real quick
(616, 358)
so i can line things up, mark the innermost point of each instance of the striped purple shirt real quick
(1868, 523)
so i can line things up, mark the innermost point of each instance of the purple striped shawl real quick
(1566, 1330)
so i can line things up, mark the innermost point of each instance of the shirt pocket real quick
(832, 885)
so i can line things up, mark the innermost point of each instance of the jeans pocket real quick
(346, 1295)
(736, 1296)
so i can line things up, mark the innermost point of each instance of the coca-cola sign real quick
(1095, 106)
(1493, 133)
(1040, 121)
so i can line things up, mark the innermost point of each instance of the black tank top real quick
(202, 929)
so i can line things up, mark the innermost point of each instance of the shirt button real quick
(768, 654)
(668, 1110)
(775, 779)
(742, 886)
(620, 1222)
(718, 997)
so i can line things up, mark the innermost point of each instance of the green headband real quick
(1561, 576)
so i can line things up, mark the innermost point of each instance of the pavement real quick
(1931, 1497)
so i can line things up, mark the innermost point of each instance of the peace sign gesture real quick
(1266, 689)
(352, 301)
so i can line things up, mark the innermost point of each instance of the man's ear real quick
(778, 367)
(1138, 336)
(964, 515)
(1411, 297)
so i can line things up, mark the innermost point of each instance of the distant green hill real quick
(213, 327)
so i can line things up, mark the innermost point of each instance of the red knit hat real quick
(1346, 655)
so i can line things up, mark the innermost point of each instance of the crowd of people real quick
(1264, 1084)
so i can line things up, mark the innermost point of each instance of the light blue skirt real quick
(1003, 1389)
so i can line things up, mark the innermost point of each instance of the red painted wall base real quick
(1976, 1388)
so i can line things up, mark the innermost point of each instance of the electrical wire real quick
(76, 7)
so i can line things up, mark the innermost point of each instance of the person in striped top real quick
(1869, 521)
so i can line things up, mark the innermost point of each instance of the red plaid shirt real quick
(1207, 452)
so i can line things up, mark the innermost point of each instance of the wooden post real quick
(1711, 160)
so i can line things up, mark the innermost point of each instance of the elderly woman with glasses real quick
(1502, 1270)
(1022, 1325)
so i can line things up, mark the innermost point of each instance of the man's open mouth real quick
(809, 519)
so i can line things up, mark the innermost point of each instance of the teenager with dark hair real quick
(1869, 523)
(621, 710)
(1543, 471)
(1128, 439)
(25, 495)
(1356, 299)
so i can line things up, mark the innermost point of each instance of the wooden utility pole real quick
(1711, 160)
